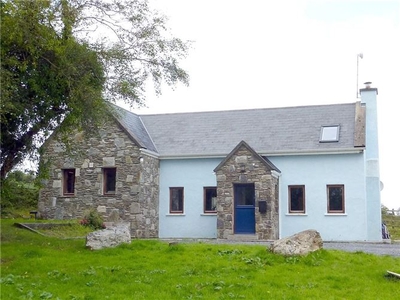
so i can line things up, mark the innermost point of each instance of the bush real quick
(18, 192)
(93, 220)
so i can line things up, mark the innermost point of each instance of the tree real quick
(45, 79)
(61, 60)
(384, 210)
(18, 191)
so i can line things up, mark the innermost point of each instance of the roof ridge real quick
(247, 109)
(125, 118)
(148, 133)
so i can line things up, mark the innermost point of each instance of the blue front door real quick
(244, 215)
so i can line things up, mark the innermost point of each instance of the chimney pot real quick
(368, 84)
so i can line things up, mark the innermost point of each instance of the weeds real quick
(93, 219)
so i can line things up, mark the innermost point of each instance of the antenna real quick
(359, 55)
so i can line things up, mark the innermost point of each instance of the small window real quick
(176, 200)
(335, 198)
(297, 199)
(68, 181)
(210, 200)
(329, 134)
(109, 180)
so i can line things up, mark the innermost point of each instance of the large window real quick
(210, 200)
(297, 199)
(176, 200)
(335, 198)
(109, 180)
(68, 181)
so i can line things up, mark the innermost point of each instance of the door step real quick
(243, 237)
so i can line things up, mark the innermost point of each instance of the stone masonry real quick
(242, 166)
(137, 180)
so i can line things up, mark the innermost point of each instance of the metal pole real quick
(358, 55)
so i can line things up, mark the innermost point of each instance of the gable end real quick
(268, 164)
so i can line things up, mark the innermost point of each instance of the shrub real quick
(93, 219)
(18, 191)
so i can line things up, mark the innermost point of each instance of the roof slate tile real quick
(267, 131)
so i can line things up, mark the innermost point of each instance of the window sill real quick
(296, 214)
(176, 215)
(335, 214)
(208, 214)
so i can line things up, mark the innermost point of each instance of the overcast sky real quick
(259, 54)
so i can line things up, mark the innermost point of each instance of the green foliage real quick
(18, 191)
(135, 46)
(35, 266)
(61, 59)
(393, 225)
(93, 219)
(384, 210)
(45, 80)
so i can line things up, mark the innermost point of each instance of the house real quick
(261, 174)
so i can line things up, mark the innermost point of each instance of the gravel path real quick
(373, 248)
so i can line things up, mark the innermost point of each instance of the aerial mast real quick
(359, 55)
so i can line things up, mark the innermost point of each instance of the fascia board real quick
(275, 153)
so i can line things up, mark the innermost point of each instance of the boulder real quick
(109, 237)
(300, 243)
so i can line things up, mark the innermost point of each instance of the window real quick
(68, 181)
(176, 200)
(210, 200)
(335, 198)
(109, 180)
(329, 134)
(297, 199)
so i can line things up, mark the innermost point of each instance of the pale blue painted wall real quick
(315, 172)
(193, 175)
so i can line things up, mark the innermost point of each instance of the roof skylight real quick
(329, 134)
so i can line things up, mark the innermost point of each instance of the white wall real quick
(315, 172)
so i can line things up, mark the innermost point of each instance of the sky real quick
(261, 54)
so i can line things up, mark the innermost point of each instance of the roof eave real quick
(267, 153)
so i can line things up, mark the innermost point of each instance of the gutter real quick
(149, 153)
(268, 154)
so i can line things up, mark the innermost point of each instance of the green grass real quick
(39, 267)
(393, 225)
(65, 231)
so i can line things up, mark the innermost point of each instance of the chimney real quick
(368, 88)
(371, 161)
(369, 100)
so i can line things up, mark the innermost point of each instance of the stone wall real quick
(244, 167)
(136, 196)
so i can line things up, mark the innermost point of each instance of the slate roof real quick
(133, 125)
(267, 131)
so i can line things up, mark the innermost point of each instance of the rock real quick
(300, 243)
(109, 237)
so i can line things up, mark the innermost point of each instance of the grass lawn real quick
(39, 267)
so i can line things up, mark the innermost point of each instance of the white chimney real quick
(371, 161)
